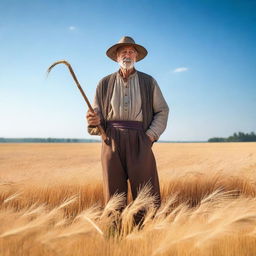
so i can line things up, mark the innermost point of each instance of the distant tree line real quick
(45, 140)
(236, 137)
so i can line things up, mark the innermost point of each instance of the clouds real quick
(71, 28)
(181, 69)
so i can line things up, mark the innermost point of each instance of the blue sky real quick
(211, 43)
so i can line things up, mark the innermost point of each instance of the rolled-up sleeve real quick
(161, 112)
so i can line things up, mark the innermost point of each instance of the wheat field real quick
(52, 202)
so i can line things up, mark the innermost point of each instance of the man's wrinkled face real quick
(126, 56)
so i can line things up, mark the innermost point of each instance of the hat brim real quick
(142, 52)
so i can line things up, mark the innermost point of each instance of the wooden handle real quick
(102, 132)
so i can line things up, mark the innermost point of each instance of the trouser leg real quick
(141, 165)
(141, 168)
(114, 173)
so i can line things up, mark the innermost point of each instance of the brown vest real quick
(105, 90)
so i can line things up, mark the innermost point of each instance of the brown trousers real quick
(128, 156)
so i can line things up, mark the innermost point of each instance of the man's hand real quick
(151, 138)
(92, 118)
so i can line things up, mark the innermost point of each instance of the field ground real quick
(52, 203)
(78, 162)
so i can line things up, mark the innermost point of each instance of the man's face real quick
(126, 56)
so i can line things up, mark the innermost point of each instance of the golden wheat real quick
(202, 213)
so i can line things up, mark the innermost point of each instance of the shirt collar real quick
(119, 73)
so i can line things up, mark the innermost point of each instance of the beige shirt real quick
(125, 104)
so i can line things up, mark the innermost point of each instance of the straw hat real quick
(124, 41)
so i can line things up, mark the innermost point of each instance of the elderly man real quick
(131, 108)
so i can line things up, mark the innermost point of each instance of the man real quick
(131, 108)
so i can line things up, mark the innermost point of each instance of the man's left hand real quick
(151, 138)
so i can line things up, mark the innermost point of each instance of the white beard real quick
(126, 63)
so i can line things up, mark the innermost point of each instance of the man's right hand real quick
(93, 118)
